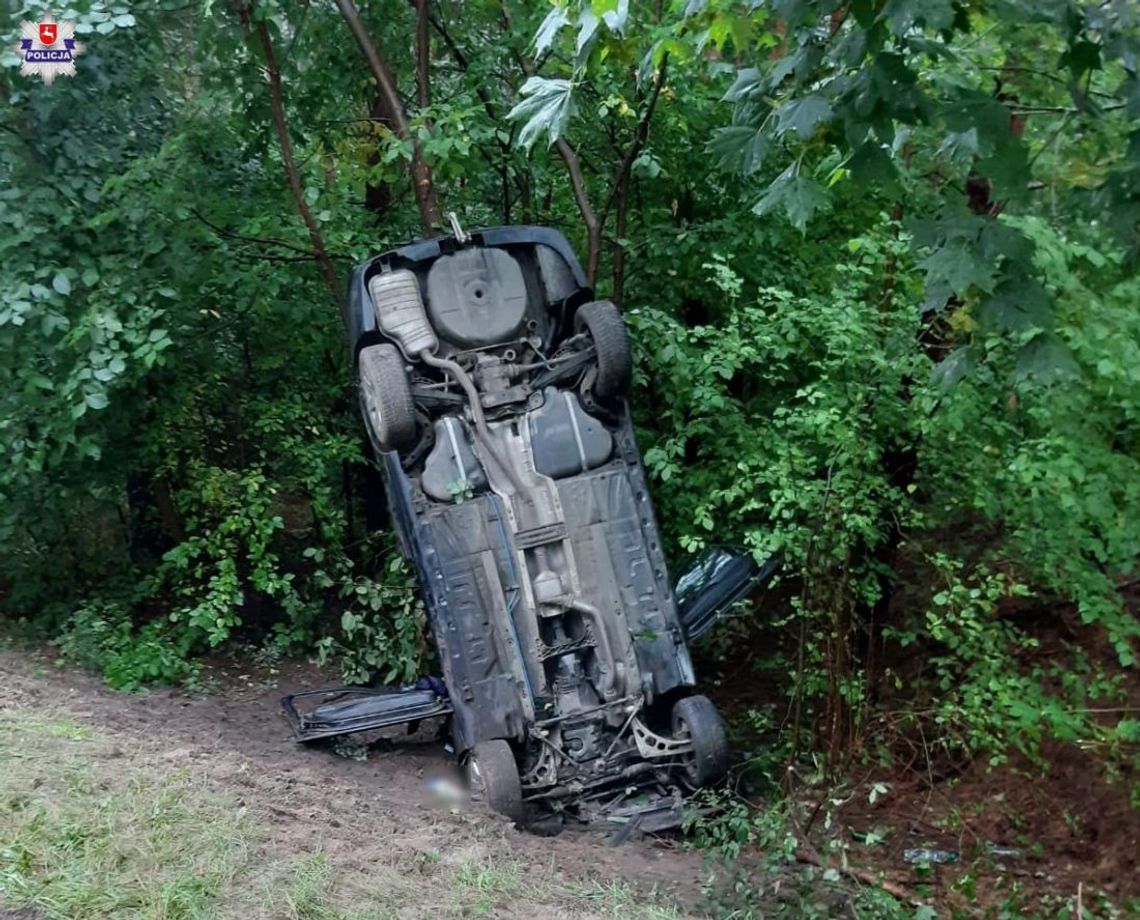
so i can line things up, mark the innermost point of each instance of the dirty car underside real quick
(493, 390)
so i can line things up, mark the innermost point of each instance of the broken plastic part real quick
(931, 857)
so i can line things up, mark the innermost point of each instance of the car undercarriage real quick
(493, 390)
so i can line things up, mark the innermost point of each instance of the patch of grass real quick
(483, 886)
(307, 890)
(71, 731)
(84, 834)
(306, 897)
(618, 900)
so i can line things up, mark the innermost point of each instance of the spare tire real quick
(386, 398)
(605, 326)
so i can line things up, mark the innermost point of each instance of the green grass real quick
(483, 887)
(306, 889)
(77, 841)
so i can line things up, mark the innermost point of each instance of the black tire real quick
(493, 776)
(696, 718)
(603, 321)
(386, 398)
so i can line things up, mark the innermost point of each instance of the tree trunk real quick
(617, 252)
(422, 185)
(423, 55)
(582, 198)
(277, 105)
(378, 195)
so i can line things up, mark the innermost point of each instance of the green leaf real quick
(748, 82)
(646, 165)
(615, 13)
(904, 15)
(547, 105)
(548, 31)
(804, 116)
(740, 148)
(52, 321)
(1081, 57)
(1016, 303)
(587, 29)
(946, 373)
(61, 283)
(960, 146)
(872, 163)
(1128, 730)
(799, 196)
(966, 252)
(1046, 360)
(956, 265)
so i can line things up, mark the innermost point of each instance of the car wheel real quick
(493, 776)
(386, 398)
(695, 718)
(604, 323)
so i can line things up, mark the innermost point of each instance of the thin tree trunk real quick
(640, 136)
(582, 197)
(617, 253)
(423, 55)
(277, 105)
(505, 189)
(378, 194)
(430, 216)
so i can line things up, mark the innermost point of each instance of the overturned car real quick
(493, 389)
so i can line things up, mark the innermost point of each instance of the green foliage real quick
(102, 637)
(382, 623)
(783, 426)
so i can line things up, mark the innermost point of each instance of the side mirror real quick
(716, 580)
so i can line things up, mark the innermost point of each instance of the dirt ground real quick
(374, 819)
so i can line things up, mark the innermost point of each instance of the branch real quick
(269, 257)
(422, 183)
(807, 853)
(277, 105)
(462, 62)
(1061, 109)
(423, 55)
(640, 135)
(228, 234)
